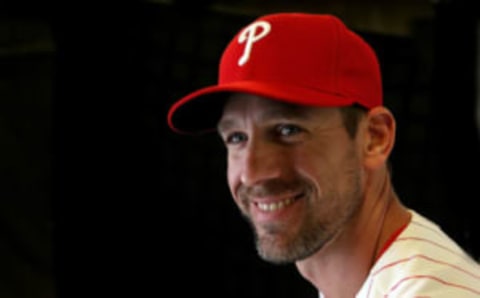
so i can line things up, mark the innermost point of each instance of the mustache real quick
(273, 187)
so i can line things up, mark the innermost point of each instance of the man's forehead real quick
(272, 107)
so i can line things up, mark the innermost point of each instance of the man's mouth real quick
(275, 206)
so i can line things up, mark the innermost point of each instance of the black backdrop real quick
(140, 211)
(143, 211)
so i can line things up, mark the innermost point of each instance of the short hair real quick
(351, 116)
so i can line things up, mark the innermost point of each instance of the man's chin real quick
(273, 250)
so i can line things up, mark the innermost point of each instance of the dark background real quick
(99, 198)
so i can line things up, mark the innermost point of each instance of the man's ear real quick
(379, 137)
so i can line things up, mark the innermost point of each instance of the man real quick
(299, 107)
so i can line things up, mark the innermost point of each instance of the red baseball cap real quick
(300, 58)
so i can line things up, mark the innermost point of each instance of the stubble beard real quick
(275, 246)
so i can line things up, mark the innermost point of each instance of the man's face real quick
(293, 171)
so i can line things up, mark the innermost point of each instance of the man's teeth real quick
(276, 205)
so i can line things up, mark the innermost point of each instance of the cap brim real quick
(199, 112)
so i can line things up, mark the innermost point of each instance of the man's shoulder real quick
(423, 260)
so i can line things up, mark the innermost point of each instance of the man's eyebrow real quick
(287, 112)
(274, 113)
(284, 111)
(225, 124)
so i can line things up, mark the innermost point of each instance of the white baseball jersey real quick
(422, 262)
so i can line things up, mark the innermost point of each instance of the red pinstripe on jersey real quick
(420, 256)
(458, 254)
(434, 278)
(426, 239)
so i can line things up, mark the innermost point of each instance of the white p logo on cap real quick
(248, 36)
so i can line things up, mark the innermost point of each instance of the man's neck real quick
(341, 267)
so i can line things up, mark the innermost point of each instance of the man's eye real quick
(288, 130)
(235, 138)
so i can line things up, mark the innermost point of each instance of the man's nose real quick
(262, 161)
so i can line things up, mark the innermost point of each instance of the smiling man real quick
(299, 107)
